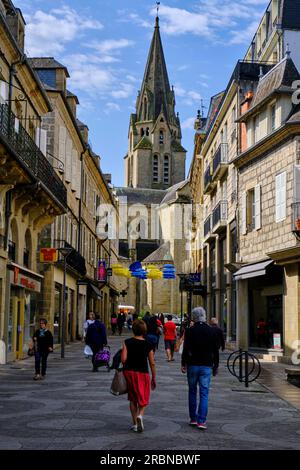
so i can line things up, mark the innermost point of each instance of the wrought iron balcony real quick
(74, 259)
(220, 161)
(207, 228)
(207, 180)
(25, 150)
(219, 217)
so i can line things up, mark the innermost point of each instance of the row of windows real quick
(166, 169)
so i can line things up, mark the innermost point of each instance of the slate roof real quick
(280, 77)
(160, 255)
(141, 195)
(47, 63)
(171, 195)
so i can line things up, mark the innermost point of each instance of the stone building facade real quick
(32, 193)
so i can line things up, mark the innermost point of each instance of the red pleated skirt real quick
(138, 385)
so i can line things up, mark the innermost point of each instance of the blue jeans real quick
(41, 357)
(198, 375)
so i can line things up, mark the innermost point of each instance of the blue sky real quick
(105, 43)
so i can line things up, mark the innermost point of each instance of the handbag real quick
(31, 348)
(103, 355)
(119, 384)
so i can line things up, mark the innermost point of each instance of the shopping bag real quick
(119, 384)
(87, 351)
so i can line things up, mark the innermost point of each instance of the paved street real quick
(73, 409)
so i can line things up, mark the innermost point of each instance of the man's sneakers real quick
(193, 423)
(140, 424)
(37, 377)
(202, 426)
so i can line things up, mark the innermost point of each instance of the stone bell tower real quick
(156, 158)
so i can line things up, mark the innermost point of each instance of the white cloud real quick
(187, 97)
(188, 123)
(110, 107)
(110, 45)
(245, 36)
(48, 33)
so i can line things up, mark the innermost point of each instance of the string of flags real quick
(136, 270)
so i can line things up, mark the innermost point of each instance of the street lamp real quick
(64, 251)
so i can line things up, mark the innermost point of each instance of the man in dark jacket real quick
(200, 357)
(96, 338)
(218, 332)
(43, 345)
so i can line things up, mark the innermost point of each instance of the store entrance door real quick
(20, 327)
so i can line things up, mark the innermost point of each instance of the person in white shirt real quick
(88, 322)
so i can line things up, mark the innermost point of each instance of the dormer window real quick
(161, 137)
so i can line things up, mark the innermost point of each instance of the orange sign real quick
(48, 255)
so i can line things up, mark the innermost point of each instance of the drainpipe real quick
(8, 213)
(78, 336)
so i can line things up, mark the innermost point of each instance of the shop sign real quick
(277, 341)
(24, 281)
(48, 255)
(101, 271)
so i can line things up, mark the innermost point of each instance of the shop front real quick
(261, 297)
(24, 287)
(71, 312)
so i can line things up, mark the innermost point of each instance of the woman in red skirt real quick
(136, 353)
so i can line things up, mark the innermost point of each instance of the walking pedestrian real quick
(113, 322)
(153, 332)
(218, 332)
(170, 338)
(43, 345)
(96, 338)
(120, 322)
(88, 322)
(200, 358)
(136, 354)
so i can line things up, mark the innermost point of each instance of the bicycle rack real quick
(247, 372)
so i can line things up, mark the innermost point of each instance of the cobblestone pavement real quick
(73, 409)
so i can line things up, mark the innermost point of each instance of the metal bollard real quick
(246, 369)
(241, 365)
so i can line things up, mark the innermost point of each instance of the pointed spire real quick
(155, 91)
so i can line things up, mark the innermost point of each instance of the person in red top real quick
(170, 338)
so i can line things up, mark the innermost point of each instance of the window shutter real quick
(43, 141)
(244, 213)
(68, 172)
(297, 184)
(280, 197)
(62, 145)
(257, 195)
(74, 170)
(3, 92)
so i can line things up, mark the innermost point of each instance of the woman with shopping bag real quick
(136, 354)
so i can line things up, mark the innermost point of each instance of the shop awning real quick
(252, 270)
(96, 291)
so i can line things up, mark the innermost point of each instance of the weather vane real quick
(157, 7)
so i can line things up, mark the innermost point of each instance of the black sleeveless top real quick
(137, 355)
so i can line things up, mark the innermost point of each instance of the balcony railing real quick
(220, 214)
(29, 155)
(74, 259)
(207, 178)
(207, 226)
(220, 159)
(11, 250)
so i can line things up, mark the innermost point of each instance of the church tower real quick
(156, 158)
